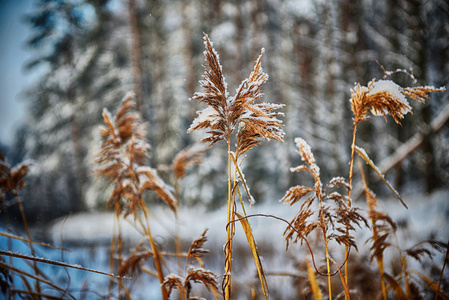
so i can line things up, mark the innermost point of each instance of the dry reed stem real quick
(122, 160)
(187, 157)
(224, 114)
(340, 216)
(446, 257)
(316, 291)
(12, 180)
(372, 202)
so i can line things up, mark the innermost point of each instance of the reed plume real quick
(193, 274)
(11, 181)
(122, 159)
(223, 115)
(332, 216)
(381, 98)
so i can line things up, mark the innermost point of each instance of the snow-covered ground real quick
(88, 236)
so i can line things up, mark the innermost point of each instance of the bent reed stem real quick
(27, 231)
(323, 229)
(230, 224)
(351, 173)
(156, 254)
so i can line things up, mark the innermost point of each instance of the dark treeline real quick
(94, 51)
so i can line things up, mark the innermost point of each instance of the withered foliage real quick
(225, 113)
(173, 281)
(188, 157)
(331, 212)
(196, 249)
(123, 158)
(133, 264)
(381, 223)
(384, 97)
(193, 274)
(12, 179)
(424, 249)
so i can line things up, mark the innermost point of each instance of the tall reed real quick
(332, 215)
(226, 114)
(122, 159)
(382, 98)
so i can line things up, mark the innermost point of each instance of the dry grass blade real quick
(431, 284)
(316, 291)
(54, 262)
(365, 157)
(249, 235)
(196, 248)
(342, 278)
(35, 295)
(396, 286)
(12, 236)
(36, 278)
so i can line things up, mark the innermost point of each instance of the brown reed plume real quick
(332, 216)
(223, 115)
(122, 159)
(11, 181)
(193, 274)
(381, 97)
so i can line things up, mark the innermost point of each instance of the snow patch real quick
(389, 87)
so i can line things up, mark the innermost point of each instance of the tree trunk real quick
(136, 53)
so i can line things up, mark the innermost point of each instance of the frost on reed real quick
(385, 97)
(225, 113)
(123, 158)
(253, 123)
(381, 98)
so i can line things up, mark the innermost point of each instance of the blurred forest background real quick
(94, 51)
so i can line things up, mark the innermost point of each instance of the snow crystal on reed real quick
(302, 144)
(391, 88)
(225, 84)
(306, 151)
(208, 114)
(251, 199)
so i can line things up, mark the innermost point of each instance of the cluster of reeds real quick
(17, 281)
(123, 159)
(334, 214)
(242, 123)
(380, 97)
(252, 122)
